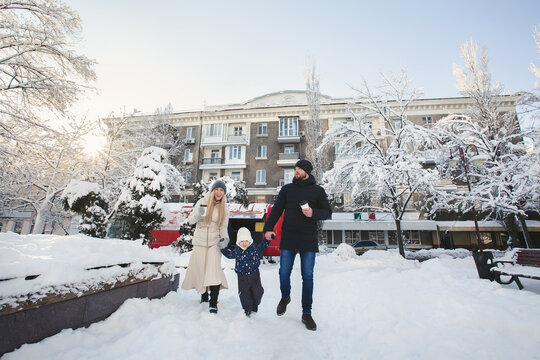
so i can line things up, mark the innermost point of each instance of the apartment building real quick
(260, 140)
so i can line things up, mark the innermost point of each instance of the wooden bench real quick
(491, 269)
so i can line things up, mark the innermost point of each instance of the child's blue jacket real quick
(247, 261)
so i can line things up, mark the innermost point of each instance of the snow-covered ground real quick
(377, 306)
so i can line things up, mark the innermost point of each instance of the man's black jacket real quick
(299, 233)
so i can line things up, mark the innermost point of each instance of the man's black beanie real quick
(304, 165)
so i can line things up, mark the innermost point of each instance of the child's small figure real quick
(248, 258)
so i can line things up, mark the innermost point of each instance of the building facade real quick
(259, 141)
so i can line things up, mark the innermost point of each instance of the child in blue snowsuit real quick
(248, 258)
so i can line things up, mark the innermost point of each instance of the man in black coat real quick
(298, 234)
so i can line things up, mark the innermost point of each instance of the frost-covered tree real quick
(86, 198)
(312, 127)
(381, 167)
(38, 171)
(140, 206)
(506, 171)
(127, 136)
(41, 74)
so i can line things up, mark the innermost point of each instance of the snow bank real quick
(374, 306)
(61, 263)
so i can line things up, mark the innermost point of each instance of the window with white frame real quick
(237, 131)
(396, 122)
(288, 149)
(288, 126)
(262, 129)
(235, 153)
(427, 120)
(338, 148)
(368, 123)
(288, 175)
(188, 155)
(261, 151)
(187, 177)
(212, 176)
(213, 130)
(235, 175)
(190, 133)
(261, 176)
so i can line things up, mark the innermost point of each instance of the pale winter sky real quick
(190, 53)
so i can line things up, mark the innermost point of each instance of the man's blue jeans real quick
(307, 263)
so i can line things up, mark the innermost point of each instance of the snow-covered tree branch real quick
(380, 153)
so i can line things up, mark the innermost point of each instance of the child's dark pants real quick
(250, 290)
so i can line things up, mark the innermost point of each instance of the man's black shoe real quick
(213, 310)
(282, 306)
(309, 322)
(248, 313)
(255, 308)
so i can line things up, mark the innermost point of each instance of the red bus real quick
(253, 217)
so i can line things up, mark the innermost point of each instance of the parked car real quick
(364, 245)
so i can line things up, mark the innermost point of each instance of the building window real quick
(237, 131)
(377, 236)
(213, 130)
(396, 122)
(262, 129)
(235, 175)
(261, 176)
(427, 120)
(190, 133)
(187, 177)
(260, 198)
(288, 175)
(235, 153)
(212, 176)
(368, 123)
(288, 126)
(188, 155)
(288, 149)
(261, 151)
(17, 227)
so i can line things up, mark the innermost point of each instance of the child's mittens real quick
(222, 243)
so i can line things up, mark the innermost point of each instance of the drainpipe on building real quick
(198, 149)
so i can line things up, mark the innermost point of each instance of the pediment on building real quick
(281, 98)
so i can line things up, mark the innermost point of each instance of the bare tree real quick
(505, 180)
(40, 170)
(40, 72)
(381, 166)
(313, 125)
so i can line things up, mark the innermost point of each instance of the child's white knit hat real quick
(243, 235)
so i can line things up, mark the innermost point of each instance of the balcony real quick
(219, 163)
(289, 139)
(287, 159)
(224, 141)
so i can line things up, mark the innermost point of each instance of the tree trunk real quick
(399, 237)
(526, 234)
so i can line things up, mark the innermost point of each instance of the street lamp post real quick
(466, 171)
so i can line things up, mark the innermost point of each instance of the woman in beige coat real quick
(204, 268)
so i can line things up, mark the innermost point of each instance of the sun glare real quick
(93, 144)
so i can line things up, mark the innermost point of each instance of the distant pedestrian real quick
(248, 258)
(204, 270)
(304, 203)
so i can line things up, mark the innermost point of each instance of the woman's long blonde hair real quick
(211, 204)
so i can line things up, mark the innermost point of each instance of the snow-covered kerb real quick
(61, 263)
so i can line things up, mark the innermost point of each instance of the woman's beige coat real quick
(204, 267)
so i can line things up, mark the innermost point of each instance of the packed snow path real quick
(378, 306)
